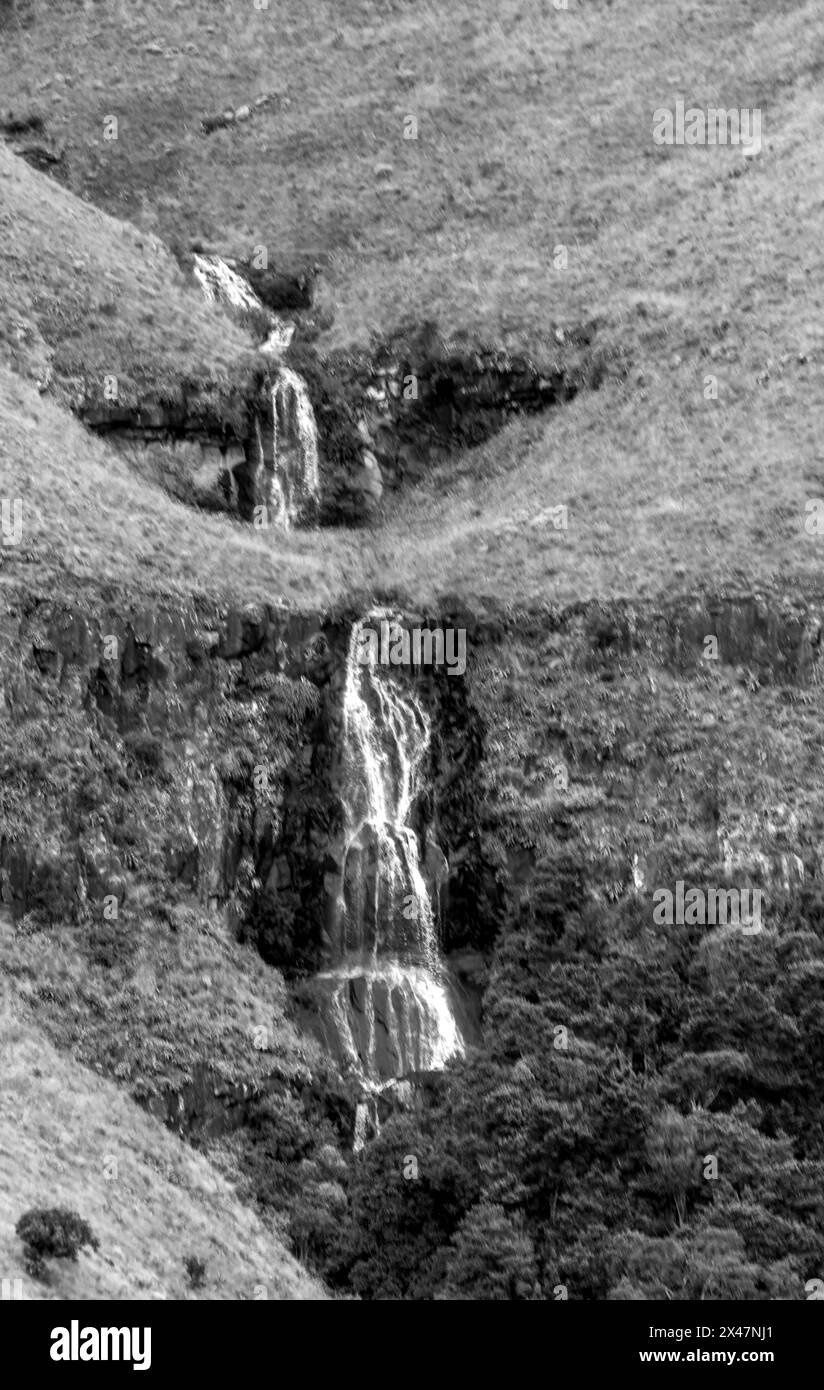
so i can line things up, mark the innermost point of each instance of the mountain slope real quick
(68, 1137)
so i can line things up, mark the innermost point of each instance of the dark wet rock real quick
(418, 397)
(280, 290)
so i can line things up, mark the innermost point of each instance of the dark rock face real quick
(199, 709)
(29, 138)
(191, 416)
(209, 455)
(457, 798)
(420, 397)
(777, 641)
(278, 289)
(205, 1107)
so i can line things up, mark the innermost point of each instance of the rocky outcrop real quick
(213, 454)
(195, 711)
(279, 289)
(28, 137)
(236, 115)
(200, 752)
(418, 397)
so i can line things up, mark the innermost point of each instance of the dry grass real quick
(533, 128)
(62, 1130)
(86, 296)
(696, 261)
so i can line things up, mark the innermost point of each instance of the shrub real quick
(52, 1233)
(195, 1270)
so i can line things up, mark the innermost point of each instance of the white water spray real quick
(294, 446)
(222, 285)
(388, 1002)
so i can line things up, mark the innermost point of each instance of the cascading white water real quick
(286, 443)
(222, 285)
(294, 446)
(387, 999)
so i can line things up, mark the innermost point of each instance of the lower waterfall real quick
(385, 1002)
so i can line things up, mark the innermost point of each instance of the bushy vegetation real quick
(195, 1269)
(52, 1233)
(642, 1120)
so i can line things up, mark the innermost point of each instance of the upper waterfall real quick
(222, 285)
(285, 444)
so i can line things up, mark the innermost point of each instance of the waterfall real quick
(285, 445)
(294, 446)
(387, 1010)
(222, 285)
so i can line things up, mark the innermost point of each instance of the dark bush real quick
(195, 1271)
(56, 1233)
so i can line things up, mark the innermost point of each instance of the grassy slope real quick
(86, 296)
(161, 1006)
(76, 495)
(534, 128)
(60, 1128)
(665, 489)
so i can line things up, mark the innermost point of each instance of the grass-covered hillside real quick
(150, 1202)
(89, 297)
(694, 263)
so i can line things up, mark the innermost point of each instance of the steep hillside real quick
(87, 297)
(720, 399)
(533, 129)
(68, 1137)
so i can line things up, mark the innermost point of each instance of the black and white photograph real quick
(411, 703)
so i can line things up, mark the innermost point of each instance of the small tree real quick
(52, 1233)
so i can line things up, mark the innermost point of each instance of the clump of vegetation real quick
(55, 1233)
(195, 1271)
